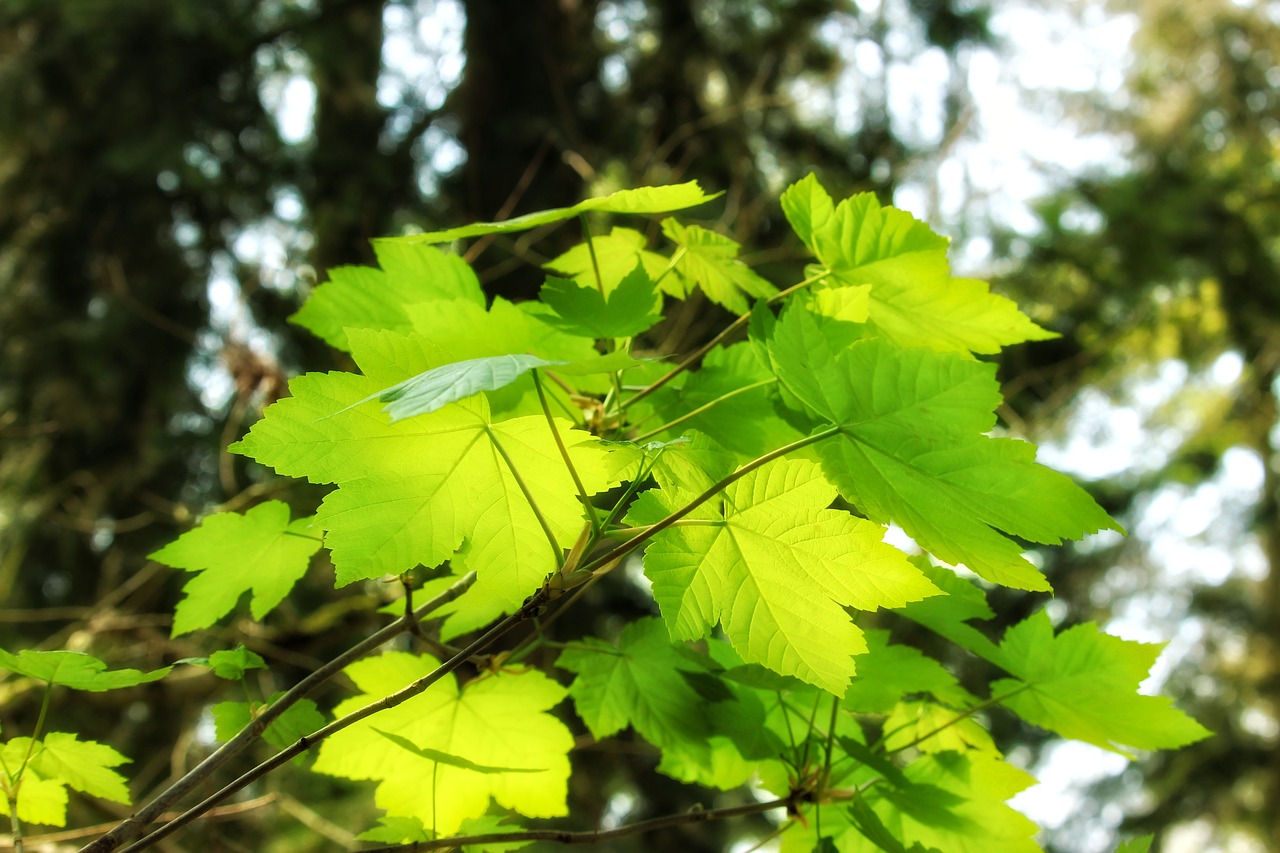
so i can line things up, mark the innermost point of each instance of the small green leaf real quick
(231, 664)
(645, 200)
(604, 261)
(260, 552)
(59, 762)
(624, 312)
(76, 670)
(299, 719)
(1141, 844)
(451, 760)
(710, 262)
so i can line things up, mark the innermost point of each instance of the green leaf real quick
(1083, 684)
(769, 562)
(299, 719)
(451, 760)
(948, 615)
(645, 200)
(913, 449)
(495, 721)
(230, 664)
(710, 262)
(76, 670)
(1141, 844)
(371, 298)
(260, 552)
(396, 830)
(914, 300)
(934, 728)
(59, 762)
(627, 310)
(615, 256)
(888, 672)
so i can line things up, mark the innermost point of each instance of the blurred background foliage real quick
(175, 176)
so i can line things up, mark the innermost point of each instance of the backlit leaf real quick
(76, 670)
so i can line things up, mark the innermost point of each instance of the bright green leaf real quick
(914, 300)
(230, 664)
(76, 670)
(59, 762)
(888, 672)
(769, 562)
(1083, 684)
(913, 450)
(934, 728)
(710, 262)
(1142, 844)
(494, 721)
(260, 552)
(645, 200)
(616, 256)
(371, 298)
(451, 760)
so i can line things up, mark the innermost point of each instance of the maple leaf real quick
(710, 262)
(496, 721)
(672, 698)
(617, 255)
(769, 562)
(260, 552)
(913, 300)
(1083, 684)
(76, 670)
(912, 449)
(370, 298)
(58, 762)
(887, 672)
(623, 311)
(410, 492)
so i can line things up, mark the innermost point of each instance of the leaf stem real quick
(137, 823)
(596, 836)
(693, 414)
(528, 496)
(648, 533)
(564, 454)
(728, 330)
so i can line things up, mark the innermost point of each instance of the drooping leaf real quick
(709, 261)
(76, 670)
(371, 298)
(260, 552)
(494, 721)
(644, 200)
(452, 760)
(913, 450)
(625, 311)
(769, 562)
(1083, 684)
(914, 300)
(60, 761)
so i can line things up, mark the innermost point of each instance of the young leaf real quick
(775, 567)
(913, 450)
(371, 298)
(301, 718)
(260, 552)
(710, 262)
(76, 670)
(59, 762)
(230, 664)
(1083, 684)
(914, 299)
(494, 721)
(640, 201)
(627, 310)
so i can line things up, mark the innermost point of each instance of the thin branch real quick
(563, 836)
(137, 823)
